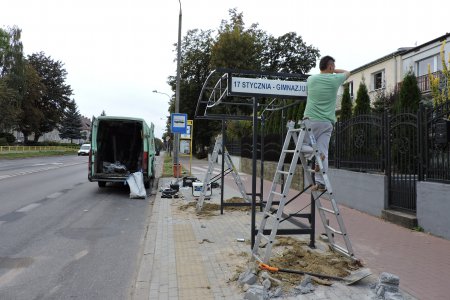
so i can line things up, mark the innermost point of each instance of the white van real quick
(84, 149)
(120, 146)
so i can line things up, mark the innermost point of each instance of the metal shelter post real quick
(254, 160)
(222, 179)
(261, 175)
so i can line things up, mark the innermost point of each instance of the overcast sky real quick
(117, 52)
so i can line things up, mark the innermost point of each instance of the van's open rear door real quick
(92, 154)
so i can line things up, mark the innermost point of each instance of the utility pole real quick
(176, 145)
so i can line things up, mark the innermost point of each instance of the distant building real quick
(385, 74)
(53, 136)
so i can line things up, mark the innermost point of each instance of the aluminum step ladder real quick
(231, 169)
(304, 152)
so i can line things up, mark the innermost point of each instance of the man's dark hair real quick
(324, 62)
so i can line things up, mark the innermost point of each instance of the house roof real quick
(400, 51)
(382, 59)
(439, 39)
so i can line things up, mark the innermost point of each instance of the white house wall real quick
(391, 70)
(409, 59)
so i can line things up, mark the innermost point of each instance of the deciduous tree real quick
(11, 76)
(57, 92)
(31, 116)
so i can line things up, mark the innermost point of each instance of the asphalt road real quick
(62, 237)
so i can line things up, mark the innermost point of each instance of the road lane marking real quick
(56, 166)
(28, 207)
(81, 254)
(54, 195)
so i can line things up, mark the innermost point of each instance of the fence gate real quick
(402, 160)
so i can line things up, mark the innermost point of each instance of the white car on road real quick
(84, 149)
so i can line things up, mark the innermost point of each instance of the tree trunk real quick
(36, 137)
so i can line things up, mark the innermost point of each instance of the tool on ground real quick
(349, 280)
(169, 192)
(304, 152)
(231, 169)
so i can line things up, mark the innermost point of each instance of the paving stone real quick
(182, 268)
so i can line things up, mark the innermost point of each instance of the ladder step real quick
(342, 250)
(289, 151)
(295, 129)
(278, 194)
(269, 214)
(327, 210)
(334, 230)
(266, 237)
(283, 172)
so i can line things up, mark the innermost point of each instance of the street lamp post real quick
(177, 93)
(170, 98)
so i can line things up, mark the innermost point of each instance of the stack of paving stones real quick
(387, 287)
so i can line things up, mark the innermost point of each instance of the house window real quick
(434, 61)
(350, 89)
(378, 80)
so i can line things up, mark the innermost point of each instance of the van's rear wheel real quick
(101, 183)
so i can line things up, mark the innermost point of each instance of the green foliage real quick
(409, 96)
(194, 69)
(440, 91)
(362, 100)
(71, 123)
(346, 104)
(56, 97)
(301, 110)
(288, 54)
(31, 115)
(236, 47)
(238, 129)
(159, 143)
(418, 228)
(8, 137)
(8, 106)
(11, 76)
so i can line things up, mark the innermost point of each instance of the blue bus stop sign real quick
(178, 123)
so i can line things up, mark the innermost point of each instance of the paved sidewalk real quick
(422, 261)
(193, 257)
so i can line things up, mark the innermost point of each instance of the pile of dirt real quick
(293, 254)
(208, 209)
(237, 208)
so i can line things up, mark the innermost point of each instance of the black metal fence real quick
(407, 147)
(410, 142)
(435, 151)
(357, 144)
(414, 143)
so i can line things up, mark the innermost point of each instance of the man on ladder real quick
(321, 108)
(314, 130)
